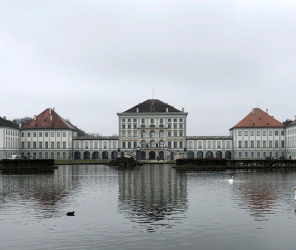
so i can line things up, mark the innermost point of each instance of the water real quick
(151, 207)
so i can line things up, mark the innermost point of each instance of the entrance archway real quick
(77, 156)
(143, 155)
(105, 155)
(114, 155)
(151, 155)
(161, 155)
(209, 154)
(199, 154)
(227, 155)
(95, 155)
(219, 155)
(190, 155)
(86, 155)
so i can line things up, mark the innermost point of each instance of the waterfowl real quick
(70, 213)
(231, 180)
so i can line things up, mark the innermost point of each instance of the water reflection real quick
(259, 192)
(153, 196)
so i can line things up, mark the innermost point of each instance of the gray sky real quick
(91, 59)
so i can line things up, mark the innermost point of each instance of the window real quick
(181, 134)
(239, 133)
(282, 144)
(282, 132)
(86, 144)
(23, 134)
(258, 154)
(58, 134)
(169, 120)
(152, 121)
(23, 144)
(34, 144)
(152, 134)
(264, 144)
(270, 144)
(252, 154)
(51, 134)
(129, 145)
(40, 134)
(105, 144)
(28, 134)
(58, 144)
(175, 144)
(123, 144)
(135, 125)
(96, 145)
(129, 133)
(264, 154)
(34, 134)
(40, 155)
(228, 144)
(270, 133)
(123, 125)
(258, 133)
(46, 144)
(77, 144)
(52, 155)
(46, 155)
(143, 134)
(239, 154)
(129, 126)
(264, 133)
(64, 144)
(276, 133)
(135, 120)
(46, 134)
(246, 144)
(190, 144)
(199, 144)
(52, 144)
(169, 126)
(114, 144)
(276, 144)
(40, 144)
(123, 133)
(135, 144)
(123, 120)
(180, 120)
(252, 144)
(169, 144)
(246, 133)
(143, 121)
(169, 134)
(258, 144)
(218, 144)
(181, 144)
(64, 134)
(64, 155)
(246, 154)
(161, 134)
(209, 144)
(58, 155)
(161, 121)
(252, 133)
(129, 120)
(175, 134)
(28, 144)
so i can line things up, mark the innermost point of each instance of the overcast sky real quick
(93, 58)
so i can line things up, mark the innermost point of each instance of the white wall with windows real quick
(9, 142)
(291, 140)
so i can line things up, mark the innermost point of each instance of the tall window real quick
(28, 144)
(264, 144)
(228, 144)
(175, 144)
(46, 134)
(152, 134)
(270, 144)
(86, 144)
(51, 134)
(246, 144)
(34, 134)
(58, 134)
(239, 144)
(58, 144)
(46, 144)
(143, 134)
(135, 144)
(190, 144)
(105, 144)
(114, 144)
(96, 145)
(64, 144)
(129, 144)
(258, 133)
(218, 144)
(209, 144)
(64, 134)
(161, 133)
(34, 144)
(258, 144)
(264, 133)
(181, 144)
(129, 133)
(77, 144)
(169, 144)
(52, 144)
(276, 144)
(252, 144)
(123, 144)
(40, 144)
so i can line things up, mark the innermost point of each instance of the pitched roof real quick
(152, 105)
(7, 123)
(48, 119)
(258, 118)
(291, 124)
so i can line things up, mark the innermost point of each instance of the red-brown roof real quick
(258, 119)
(48, 119)
(7, 123)
(152, 105)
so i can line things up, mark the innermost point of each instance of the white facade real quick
(291, 140)
(250, 143)
(9, 142)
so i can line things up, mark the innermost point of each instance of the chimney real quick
(182, 109)
(35, 117)
(167, 110)
(50, 111)
(137, 110)
(4, 117)
(253, 111)
(20, 125)
(53, 109)
(266, 111)
(50, 117)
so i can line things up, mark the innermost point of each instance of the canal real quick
(148, 207)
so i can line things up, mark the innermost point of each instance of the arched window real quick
(143, 144)
(152, 144)
(161, 134)
(161, 144)
(135, 133)
(143, 134)
(152, 134)
(123, 133)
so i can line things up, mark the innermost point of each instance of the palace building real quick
(150, 130)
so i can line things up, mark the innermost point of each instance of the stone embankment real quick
(124, 162)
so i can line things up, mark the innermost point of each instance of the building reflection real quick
(260, 193)
(153, 196)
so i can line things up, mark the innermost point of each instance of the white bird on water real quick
(231, 180)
